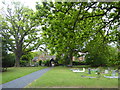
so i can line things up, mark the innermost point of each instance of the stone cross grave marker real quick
(89, 71)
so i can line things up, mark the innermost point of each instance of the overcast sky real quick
(30, 3)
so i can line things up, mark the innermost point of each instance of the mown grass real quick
(16, 72)
(60, 77)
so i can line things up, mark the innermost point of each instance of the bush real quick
(79, 63)
(63, 60)
(56, 63)
(96, 61)
(75, 62)
(8, 61)
(40, 62)
(47, 63)
(23, 63)
(44, 62)
(114, 60)
(25, 59)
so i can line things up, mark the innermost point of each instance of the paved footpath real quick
(25, 80)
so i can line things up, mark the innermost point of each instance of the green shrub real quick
(47, 63)
(75, 62)
(40, 62)
(23, 63)
(79, 63)
(25, 59)
(8, 60)
(95, 60)
(44, 62)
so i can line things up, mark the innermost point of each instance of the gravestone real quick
(106, 71)
(88, 76)
(116, 71)
(52, 64)
(109, 69)
(113, 75)
(98, 73)
(113, 72)
(89, 71)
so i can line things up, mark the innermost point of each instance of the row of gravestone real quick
(98, 71)
(106, 72)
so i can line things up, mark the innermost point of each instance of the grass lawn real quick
(59, 77)
(16, 72)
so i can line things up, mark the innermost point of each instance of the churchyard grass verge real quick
(16, 72)
(60, 77)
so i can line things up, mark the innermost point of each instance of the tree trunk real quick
(70, 58)
(18, 55)
(17, 60)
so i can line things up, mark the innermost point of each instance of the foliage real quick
(26, 59)
(8, 60)
(101, 54)
(46, 62)
(18, 27)
(40, 62)
(113, 57)
(27, 56)
(69, 26)
(23, 63)
(98, 53)
(37, 53)
(79, 62)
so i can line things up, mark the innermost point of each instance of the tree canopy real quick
(19, 29)
(67, 28)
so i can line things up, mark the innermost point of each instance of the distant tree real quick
(20, 29)
(98, 53)
(114, 57)
(26, 59)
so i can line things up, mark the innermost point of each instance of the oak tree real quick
(20, 29)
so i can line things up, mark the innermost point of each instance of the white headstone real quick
(109, 69)
(106, 71)
(113, 73)
(52, 65)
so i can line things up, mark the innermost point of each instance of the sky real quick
(30, 3)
